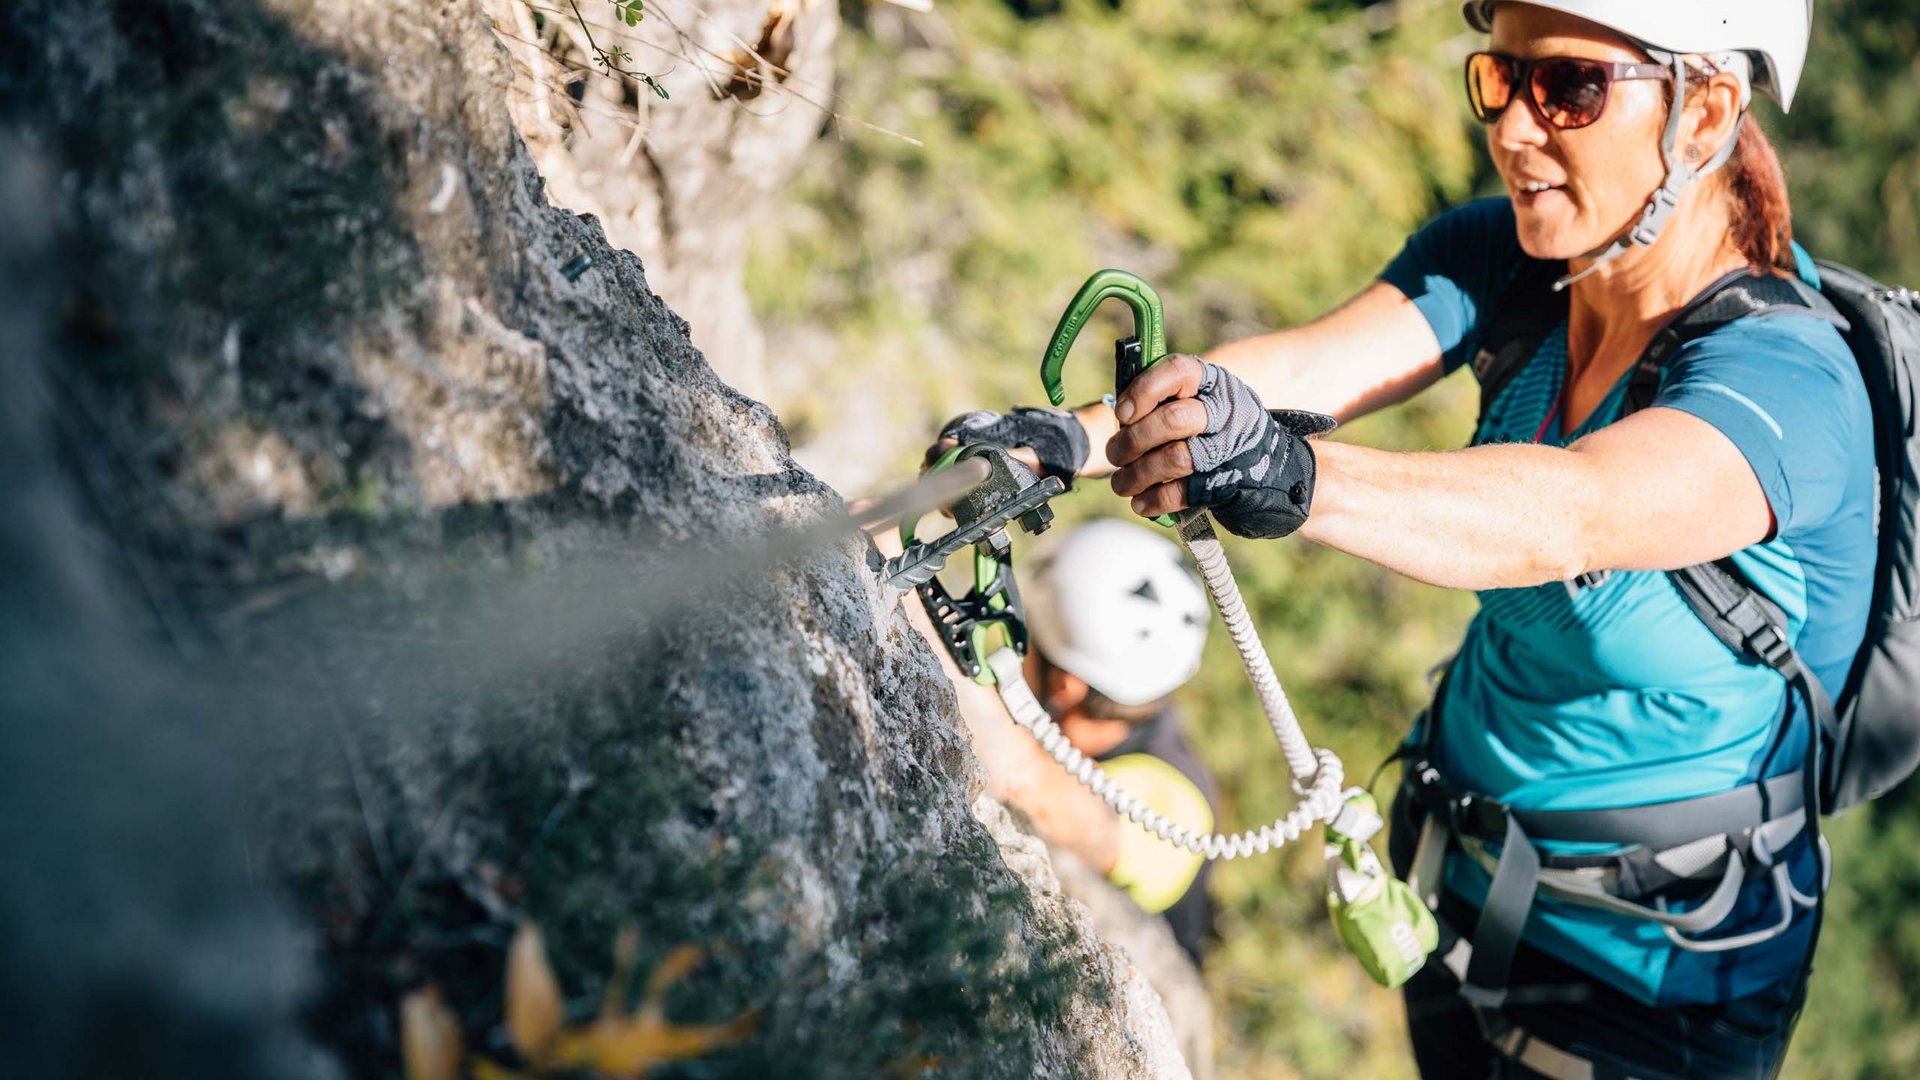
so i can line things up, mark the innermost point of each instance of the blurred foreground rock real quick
(350, 617)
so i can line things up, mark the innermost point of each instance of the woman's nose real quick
(1518, 126)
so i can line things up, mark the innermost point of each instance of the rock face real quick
(396, 478)
(678, 180)
(135, 942)
(1148, 942)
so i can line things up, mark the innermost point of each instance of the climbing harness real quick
(1711, 844)
(1376, 915)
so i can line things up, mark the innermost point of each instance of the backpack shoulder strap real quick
(1754, 627)
(1513, 330)
(1740, 294)
(1739, 615)
(1719, 594)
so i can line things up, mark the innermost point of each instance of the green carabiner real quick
(1147, 347)
(1149, 325)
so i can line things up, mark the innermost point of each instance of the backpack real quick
(1871, 731)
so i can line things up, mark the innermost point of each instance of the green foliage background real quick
(1259, 161)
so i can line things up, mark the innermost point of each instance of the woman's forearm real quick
(1373, 351)
(1098, 419)
(1487, 517)
(1658, 490)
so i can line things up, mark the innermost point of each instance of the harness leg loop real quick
(1502, 918)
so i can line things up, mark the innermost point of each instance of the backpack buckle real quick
(1591, 579)
(1770, 646)
(1466, 814)
(1482, 819)
(1764, 640)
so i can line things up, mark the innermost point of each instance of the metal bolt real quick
(1035, 521)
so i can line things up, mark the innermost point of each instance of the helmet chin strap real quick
(1680, 176)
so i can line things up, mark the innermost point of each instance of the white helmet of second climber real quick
(1772, 33)
(1115, 604)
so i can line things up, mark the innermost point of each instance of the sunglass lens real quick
(1570, 93)
(1489, 84)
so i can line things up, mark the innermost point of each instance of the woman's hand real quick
(1194, 435)
(1158, 413)
(1051, 442)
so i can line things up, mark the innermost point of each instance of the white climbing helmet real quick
(1116, 605)
(1773, 33)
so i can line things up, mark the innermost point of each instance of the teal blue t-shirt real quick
(1617, 694)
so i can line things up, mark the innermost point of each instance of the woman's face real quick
(1599, 175)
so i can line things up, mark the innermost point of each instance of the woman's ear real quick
(1713, 117)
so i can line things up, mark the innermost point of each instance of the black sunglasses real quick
(1568, 92)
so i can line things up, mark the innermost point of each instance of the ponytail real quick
(1762, 218)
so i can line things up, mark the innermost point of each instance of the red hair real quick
(1762, 217)
(1757, 188)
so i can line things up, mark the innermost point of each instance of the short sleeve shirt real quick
(1617, 694)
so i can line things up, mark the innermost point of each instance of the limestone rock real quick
(1148, 943)
(403, 480)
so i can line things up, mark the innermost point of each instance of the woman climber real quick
(1611, 802)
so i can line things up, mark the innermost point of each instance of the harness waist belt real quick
(1653, 825)
(1680, 839)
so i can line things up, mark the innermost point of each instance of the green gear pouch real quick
(1378, 917)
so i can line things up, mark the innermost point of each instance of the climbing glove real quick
(1253, 469)
(1056, 436)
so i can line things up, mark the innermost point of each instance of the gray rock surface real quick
(135, 943)
(404, 475)
(1148, 943)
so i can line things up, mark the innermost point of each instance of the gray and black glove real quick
(1252, 469)
(1056, 436)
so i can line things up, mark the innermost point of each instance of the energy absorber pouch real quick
(1378, 917)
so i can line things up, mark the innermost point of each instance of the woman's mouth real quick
(1530, 192)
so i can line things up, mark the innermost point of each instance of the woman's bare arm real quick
(1658, 490)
